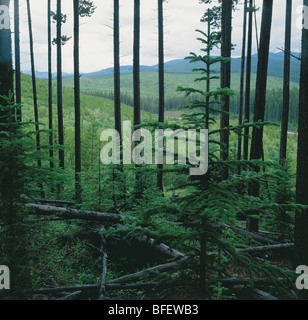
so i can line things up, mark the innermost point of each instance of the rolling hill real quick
(180, 66)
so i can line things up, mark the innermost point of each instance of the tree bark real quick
(260, 100)
(286, 84)
(301, 218)
(6, 67)
(75, 214)
(226, 30)
(240, 120)
(59, 84)
(17, 55)
(117, 76)
(78, 190)
(35, 104)
(50, 111)
(161, 82)
(136, 63)
(248, 80)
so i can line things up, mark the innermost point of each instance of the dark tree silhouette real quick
(286, 85)
(17, 55)
(50, 111)
(34, 88)
(117, 79)
(161, 81)
(82, 8)
(248, 79)
(260, 99)
(77, 103)
(240, 120)
(136, 63)
(301, 218)
(226, 30)
(59, 84)
(6, 68)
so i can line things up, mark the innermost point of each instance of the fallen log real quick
(95, 288)
(261, 295)
(102, 289)
(63, 289)
(161, 247)
(244, 232)
(71, 296)
(56, 201)
(75, 213)
(230, 282)
(137, 275)
(67, 213)
(276, 247)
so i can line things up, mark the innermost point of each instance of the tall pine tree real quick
(301, 218)
(260, 100)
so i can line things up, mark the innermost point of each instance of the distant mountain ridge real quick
(275, 68)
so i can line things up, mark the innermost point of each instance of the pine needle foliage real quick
(209, 200)
(20, 180)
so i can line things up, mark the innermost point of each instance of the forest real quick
(205, 198)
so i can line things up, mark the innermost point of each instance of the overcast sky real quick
(182, 17)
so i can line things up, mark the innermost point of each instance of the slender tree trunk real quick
(161, 112)
(260, 100)
(17, 55)
(35, 104)
(301, 218)
(248, 80)
(78, 190)
(286, 85)
(6, 67)
(136, 63)
(50, 111)
(240, 120)
(226, 29)
(136, 80)
(117, 76)
(59, 84)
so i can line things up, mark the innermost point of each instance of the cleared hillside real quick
(149, 83)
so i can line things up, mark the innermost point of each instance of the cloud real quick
(182, 17)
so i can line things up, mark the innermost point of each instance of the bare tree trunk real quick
(301, 218)
(161, 112)
(117, 76)
(240, 120)
(78, 190)
(35, 104)
(136, 67)
(248, 80)
(6, 67)
(260, 100)
(17, 55)
(226, 29)
(59, 85)
(50, 111)
(286, 85)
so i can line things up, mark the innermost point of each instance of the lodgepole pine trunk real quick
(301, 218)
(17, 55)
(286, 85)
(78, 189)
(50, 111)
(226, 30)
(260, 100)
